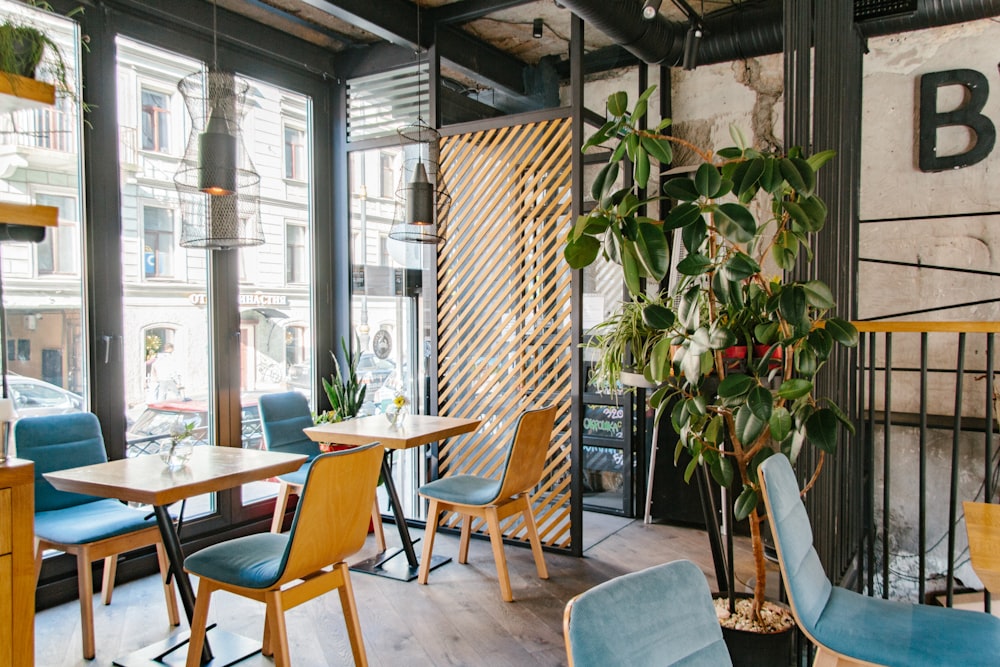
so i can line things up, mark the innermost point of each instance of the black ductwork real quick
(746, 30)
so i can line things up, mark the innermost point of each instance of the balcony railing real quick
(47, 128)
(928, 423)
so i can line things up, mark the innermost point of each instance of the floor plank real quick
(457, 619)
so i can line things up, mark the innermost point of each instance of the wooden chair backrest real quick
(331, 520)
(982, 521)
(528, 452)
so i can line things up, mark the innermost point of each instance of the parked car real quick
(158, 420)
(372, 371)
(34, 397)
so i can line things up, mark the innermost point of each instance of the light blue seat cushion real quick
(297, 476)
(465, 489)
(898, 634)
(253, 561)
(659, 616)
(881, 631)
(90, 522)
(282, 418)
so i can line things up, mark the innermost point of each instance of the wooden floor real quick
(458, 619)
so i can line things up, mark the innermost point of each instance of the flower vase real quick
(395, 416)
(175, 454)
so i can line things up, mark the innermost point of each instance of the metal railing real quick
(927, 423)
(251, 434)
(48, 128)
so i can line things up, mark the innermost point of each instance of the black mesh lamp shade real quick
(424, 201)
(219, 188)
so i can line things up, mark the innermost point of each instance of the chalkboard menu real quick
(604, 421)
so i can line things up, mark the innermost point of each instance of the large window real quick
(45, 359)
(155, 120)
(296, 259)
(295, 153)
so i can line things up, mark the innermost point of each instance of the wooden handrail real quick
(889, 326)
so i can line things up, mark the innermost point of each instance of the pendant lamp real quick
(422, 204)
(219, 188)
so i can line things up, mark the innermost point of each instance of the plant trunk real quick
(760, 571)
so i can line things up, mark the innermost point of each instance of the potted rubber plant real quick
(743, 213)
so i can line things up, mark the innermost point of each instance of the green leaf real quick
(819, 159)
(694, 265)
(735, 222)
(639, 111)
(641, 167)
(806, 362)
(681, 215)
(659, 361)
(603, 181)
(729, 153)
(792, 303)
(618, 103)
(748, 426)
(689, 470)
(780, 423)
(722, 471)
(785, 250)
(821, 343)
(771, 179)
(766, 332)
(694, 235)
(707, 180)
(736, 385)
(631, 273)
(738, 137)
(815, 209)
(688, 311)
(631, 142)
(714, 431)
(798, 215)
(818, 294)
(721, 338)
(747, 175)
(601, 135)
(581, 252)
(740, 266)
(758, 458)
(795, 388)
(658, 317)
(660, 149)
(760, 402)
(663, 124)
(799, 174)
(682, 189)
(746, 503)
(651, 245)
(618, 153)
(842, 331)
(821, 427)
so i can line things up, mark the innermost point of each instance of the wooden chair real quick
(282, 418)
(330, 524)
(662, 615)
(982, 523)
(849, 628)
(84, 526)
(495, 500)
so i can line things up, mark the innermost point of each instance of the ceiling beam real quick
(470, 10)
(483, 62)
(394, 21)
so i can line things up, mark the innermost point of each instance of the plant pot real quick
(760, 351)
(735, 359)
(26, 48)
(756, 649)
(633, 379)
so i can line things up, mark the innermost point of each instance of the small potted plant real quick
(625, 343)
(742, 211)
(23, 46)
(345, 392)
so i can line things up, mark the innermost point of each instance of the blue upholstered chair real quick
(282, 418)
(660, 616)
(493, 500)
(850, 628)
(330, 524)
(85, 526)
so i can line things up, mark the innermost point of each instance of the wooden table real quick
(145, 479)
(416, 430)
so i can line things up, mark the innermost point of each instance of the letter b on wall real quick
(969, 115)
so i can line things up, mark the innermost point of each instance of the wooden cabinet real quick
(17, 563)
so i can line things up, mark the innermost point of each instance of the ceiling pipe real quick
(746, 30)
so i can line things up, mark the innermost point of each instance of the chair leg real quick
(168, 588)
(429, 532)
(108, 581)
(278, 632)
(280, 505)
(351, 617)
(199, 622)
(377, 522)
(85, 591)
(463, 542)
(496, 539)
(536, 542)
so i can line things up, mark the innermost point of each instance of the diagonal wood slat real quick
(503, 300)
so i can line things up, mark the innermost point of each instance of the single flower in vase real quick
(176, 453)
(396, 412)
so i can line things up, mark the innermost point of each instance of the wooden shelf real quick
(29, 214)
(19, 92)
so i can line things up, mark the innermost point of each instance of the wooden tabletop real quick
(416, 430)
(145, 479)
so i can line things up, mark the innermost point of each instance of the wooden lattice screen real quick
(504, 305)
